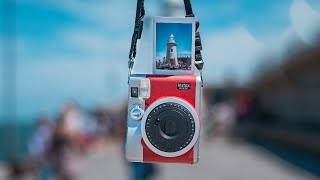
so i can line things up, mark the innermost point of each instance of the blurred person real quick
(103, 124)
(143, 171)
(224, 116)
(67, 144)
(75, 124)
(39, 145)
(105, 130)
(244, 106)
(72, 118)
(17, 169)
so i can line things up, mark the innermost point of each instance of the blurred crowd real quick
(57, 145)
(227, 108)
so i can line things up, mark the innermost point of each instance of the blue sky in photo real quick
(79, 50)
(182, 33)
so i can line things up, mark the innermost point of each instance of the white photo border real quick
(182, 20)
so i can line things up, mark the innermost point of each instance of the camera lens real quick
(170, 127)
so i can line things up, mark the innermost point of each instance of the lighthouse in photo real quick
(168, 59)
(171, 57)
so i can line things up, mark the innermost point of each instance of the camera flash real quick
(144, 89)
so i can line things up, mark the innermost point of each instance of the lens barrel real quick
(170, 127)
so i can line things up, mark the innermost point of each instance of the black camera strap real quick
(138, 28)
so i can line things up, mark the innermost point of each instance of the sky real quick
(78, 50)
(182, 34)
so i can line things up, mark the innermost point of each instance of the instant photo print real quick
(173, 46)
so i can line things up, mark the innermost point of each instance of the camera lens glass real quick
(170, 127)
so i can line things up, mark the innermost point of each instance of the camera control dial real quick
(136, 113)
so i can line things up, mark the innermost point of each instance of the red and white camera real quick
(164, 108)
(163, 119)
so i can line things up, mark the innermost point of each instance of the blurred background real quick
(63, 89)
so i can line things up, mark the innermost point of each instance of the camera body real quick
(163, 119)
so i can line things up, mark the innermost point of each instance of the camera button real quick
(134, 92)
(136, 113)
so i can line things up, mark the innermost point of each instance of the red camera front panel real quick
(182, 87)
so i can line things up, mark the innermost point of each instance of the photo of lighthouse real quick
(174, 46)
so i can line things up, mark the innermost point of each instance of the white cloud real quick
(45, 85)
(113, 14)
(96, 44)
(271, 27)
(231, 52)
(144, 60)
(49, 79)
(305, 21)
(207, 11)
(314, 4)
(290, 43)
(298, 34)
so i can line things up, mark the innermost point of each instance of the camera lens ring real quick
(170, 127)
(187, 121)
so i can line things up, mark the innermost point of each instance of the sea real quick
(15, 139)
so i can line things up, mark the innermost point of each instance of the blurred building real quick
(291, 92)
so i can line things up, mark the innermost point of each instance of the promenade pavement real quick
(220, 160)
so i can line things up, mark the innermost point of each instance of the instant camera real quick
(164, 107)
